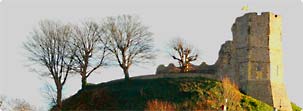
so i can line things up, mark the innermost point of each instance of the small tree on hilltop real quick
(183, 52)
(129, 41)
(90, 52)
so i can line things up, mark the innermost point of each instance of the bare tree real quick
(7, 104)
(49, 46)
(129, 41)
(183, 52)
(90, 52)
(21, 105)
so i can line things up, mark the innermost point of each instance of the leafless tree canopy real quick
(49, 46)
(183, 52)
(7, 104)
(90, 52)
(21, 105)
(128, 40)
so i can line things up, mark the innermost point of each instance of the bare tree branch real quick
(49, 92)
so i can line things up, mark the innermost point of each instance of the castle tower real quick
(257, 59)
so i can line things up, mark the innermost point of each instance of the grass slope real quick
(295, 107)
(184, 93)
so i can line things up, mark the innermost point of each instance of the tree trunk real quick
(59, 97)
(126, 74)
(83, 72)
(84, 81)
(182, 69)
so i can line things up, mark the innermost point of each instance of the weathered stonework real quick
(253, 59)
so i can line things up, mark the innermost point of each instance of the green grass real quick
(295, 107)
(183, 93)
(252, 104)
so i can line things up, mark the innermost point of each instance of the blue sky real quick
(205, 24)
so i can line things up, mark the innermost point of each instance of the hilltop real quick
(178, 93)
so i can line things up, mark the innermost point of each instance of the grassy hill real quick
(188, 93)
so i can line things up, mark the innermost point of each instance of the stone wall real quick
(202, 69)
(253, 60)
(258, 58)
(176, 75)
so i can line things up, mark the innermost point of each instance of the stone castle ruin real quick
(253, 59)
